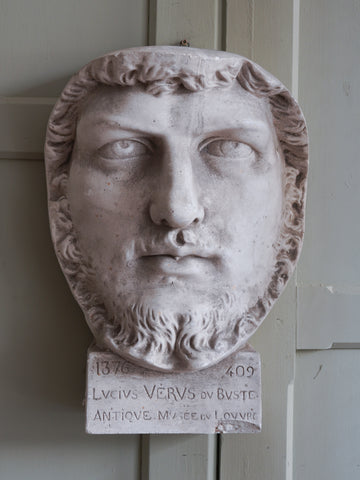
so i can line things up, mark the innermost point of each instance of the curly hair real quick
(166, 70)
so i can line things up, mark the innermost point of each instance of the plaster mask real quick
(176, 182)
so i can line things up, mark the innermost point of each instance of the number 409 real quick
(240, 371)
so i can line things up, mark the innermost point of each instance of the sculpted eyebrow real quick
(116, 125)
(246, 127)
(257, 133)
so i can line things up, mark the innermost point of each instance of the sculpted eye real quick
(228, 149)
(124, 149)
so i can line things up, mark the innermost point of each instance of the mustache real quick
(177, 243)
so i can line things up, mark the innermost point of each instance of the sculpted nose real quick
(176, 202)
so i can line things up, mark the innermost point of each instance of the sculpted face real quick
(176, 199)
(177, 207)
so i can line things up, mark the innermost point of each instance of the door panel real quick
(43, 42)
(329, 271)
(267, 455)
(327, 420)
(313, 48)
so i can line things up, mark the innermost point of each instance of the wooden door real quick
(310, 342)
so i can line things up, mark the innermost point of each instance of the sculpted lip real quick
(178, 253)
(175, 257)
(177, 263)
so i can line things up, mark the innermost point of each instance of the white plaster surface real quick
(125, 398)
(176, 181)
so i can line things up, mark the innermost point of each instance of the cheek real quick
(90, 190)
(245, 204)
(250, 217)
(106, 215)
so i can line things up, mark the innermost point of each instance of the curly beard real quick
(172, 340)
(137, 330)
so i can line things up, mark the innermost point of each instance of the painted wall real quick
(310, 342)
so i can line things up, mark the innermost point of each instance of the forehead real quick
(191, 112)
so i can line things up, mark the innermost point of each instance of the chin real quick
(168, 339)
(176, 361)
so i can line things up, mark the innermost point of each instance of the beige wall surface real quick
(310, 342)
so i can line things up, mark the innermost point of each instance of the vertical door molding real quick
(199, 22)
(239, 27)
(264, 31)
(180, 457)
